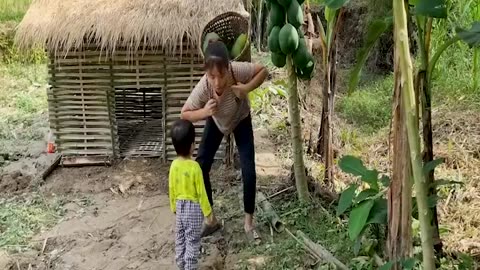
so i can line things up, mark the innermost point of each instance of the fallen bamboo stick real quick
(270, 213)
(320, 251)
(52, 167)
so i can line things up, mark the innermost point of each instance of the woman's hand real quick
(240, 90)
(210, 108)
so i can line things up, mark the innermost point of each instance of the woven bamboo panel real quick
(79, 107)
(121, 105)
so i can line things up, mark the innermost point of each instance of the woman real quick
(221, 98)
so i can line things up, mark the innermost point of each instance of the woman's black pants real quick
(211, 140)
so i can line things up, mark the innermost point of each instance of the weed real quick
(317, 223)
(23, 104)
(22, 218)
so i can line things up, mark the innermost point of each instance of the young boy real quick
(188, 198)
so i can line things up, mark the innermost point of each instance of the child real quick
(188, 198)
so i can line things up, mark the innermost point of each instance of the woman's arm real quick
(260, 73)
(198, 106)
(193, 115)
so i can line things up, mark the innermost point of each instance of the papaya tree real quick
(288, 49)
(328, 37)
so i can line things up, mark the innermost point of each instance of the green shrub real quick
(369, 108)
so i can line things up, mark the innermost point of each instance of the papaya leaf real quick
(358, 218)
(471, 36)
(346, 199)
(365, 194)
(431, 165)
(375, 30)
(335, 4)
(378, 213)
(431, 8)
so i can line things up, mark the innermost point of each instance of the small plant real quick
(367, 205)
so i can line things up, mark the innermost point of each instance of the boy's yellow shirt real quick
(185, 182)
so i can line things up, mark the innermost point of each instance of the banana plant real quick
(425, 12)
(328, 36)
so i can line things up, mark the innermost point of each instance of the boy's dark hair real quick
(217, 56)
(183, 135)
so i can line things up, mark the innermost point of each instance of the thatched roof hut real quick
(120, 70)
(65, 25)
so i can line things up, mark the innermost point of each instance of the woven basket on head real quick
(229, 26)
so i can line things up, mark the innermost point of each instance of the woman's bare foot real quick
(252, 234)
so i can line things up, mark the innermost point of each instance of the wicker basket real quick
(228, 26)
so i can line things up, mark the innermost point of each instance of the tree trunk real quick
(408, 97)
(259, 25)
(296, 129)
(325, 135)
(399, 241)
(428, 153)
(423, 89)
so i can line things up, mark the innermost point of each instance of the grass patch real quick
(13, 10)
(22, 218)
(319, 225)
(23, 103)
(368, 108)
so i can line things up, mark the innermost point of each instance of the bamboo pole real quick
(317, 250)
(269, 212)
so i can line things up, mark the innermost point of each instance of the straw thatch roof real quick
(61, 25)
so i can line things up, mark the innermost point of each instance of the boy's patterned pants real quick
(188, 233)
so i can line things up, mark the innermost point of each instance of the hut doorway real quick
(138, 112)
(139, 86)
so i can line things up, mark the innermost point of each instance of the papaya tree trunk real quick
(411, 117)
(296, 129)
(399, 239)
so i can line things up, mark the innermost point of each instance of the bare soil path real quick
(105, 228)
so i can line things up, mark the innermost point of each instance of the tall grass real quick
(13, 10)
(452, 80)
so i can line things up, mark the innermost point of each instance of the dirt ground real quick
(123, 219)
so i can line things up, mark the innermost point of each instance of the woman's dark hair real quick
(183, 135)
(217, 56)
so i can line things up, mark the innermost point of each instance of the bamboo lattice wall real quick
(122, 105)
